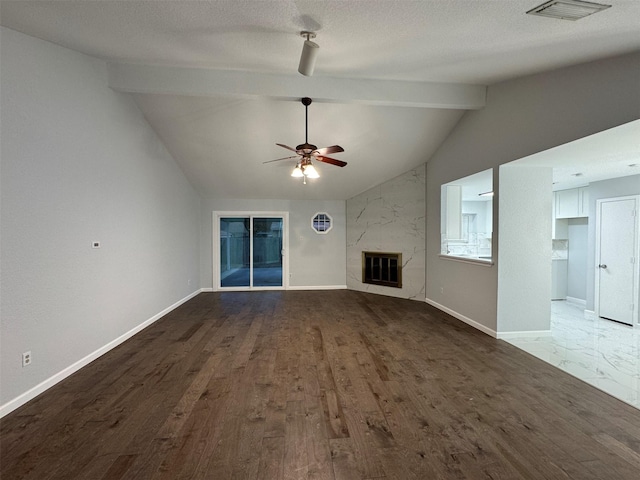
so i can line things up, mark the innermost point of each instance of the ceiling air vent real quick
(567, 9)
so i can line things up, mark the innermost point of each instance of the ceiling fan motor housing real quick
(306, 148)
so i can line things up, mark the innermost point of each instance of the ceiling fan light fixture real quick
(309, 54)
(297, 172)
(311, 172)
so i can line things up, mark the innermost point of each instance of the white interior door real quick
(617, 259)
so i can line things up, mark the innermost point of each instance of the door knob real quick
(602, 265)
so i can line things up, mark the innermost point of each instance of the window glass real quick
(467, 216)
(321, 222)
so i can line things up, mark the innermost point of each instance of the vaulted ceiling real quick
(218, 80)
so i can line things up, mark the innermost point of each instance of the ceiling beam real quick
(205, 82)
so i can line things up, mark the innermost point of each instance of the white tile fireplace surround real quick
(603, 353)
(389, 218)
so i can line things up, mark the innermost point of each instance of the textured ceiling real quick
(220, 141)
(581, 161)
(465, 41)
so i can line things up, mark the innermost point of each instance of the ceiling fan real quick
(306, 151)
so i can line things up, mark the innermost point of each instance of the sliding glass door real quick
(235, 252)
(251, 251)
(267, 252)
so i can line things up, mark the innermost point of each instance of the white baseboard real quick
(487, 330)
(317, 287)
(577, 301)
(30, 394)
(524, 334)
(290, 287)
(465, 319)
(590, 315)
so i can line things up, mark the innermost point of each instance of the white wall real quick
(616, 187)
(577, 258)
(389, 218)
(314, 260)
(80, 164)
(522, 117)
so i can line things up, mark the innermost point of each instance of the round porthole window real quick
(322, 222)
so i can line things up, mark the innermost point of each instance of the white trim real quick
(30, 394)
(590, 314)
(324, 232)
(471, 260)
(292, 287)
(465, 319)
(277, 288)
(318, 287)
(524, 334)
(576, 301)
(487, 330)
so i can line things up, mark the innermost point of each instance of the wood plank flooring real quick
(337, 385)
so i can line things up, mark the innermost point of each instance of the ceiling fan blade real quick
(332, 161)
(328, 150)
(287, 147)
(283, 158)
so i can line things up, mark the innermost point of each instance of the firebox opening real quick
(379, 268)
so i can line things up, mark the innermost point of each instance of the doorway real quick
(617, 252)
(251, 250)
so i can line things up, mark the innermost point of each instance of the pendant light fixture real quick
(309, 54)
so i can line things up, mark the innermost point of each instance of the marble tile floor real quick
(603, 353)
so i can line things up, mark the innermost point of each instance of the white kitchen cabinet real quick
(567, 202)
(572, 203)
(583, 202)
(559, 227)
(453, 199)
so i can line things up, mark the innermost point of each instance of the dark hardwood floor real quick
(318, 385)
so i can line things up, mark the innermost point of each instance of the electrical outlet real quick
(26, 358)
(441, 290)
(189, 282)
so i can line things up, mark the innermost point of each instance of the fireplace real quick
(381, 268)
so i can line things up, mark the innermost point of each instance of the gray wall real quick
(522, 117)
(577, 261)
(314, 260)
(617, 187)
(524, 249)
(389, 218)
(80, 164)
